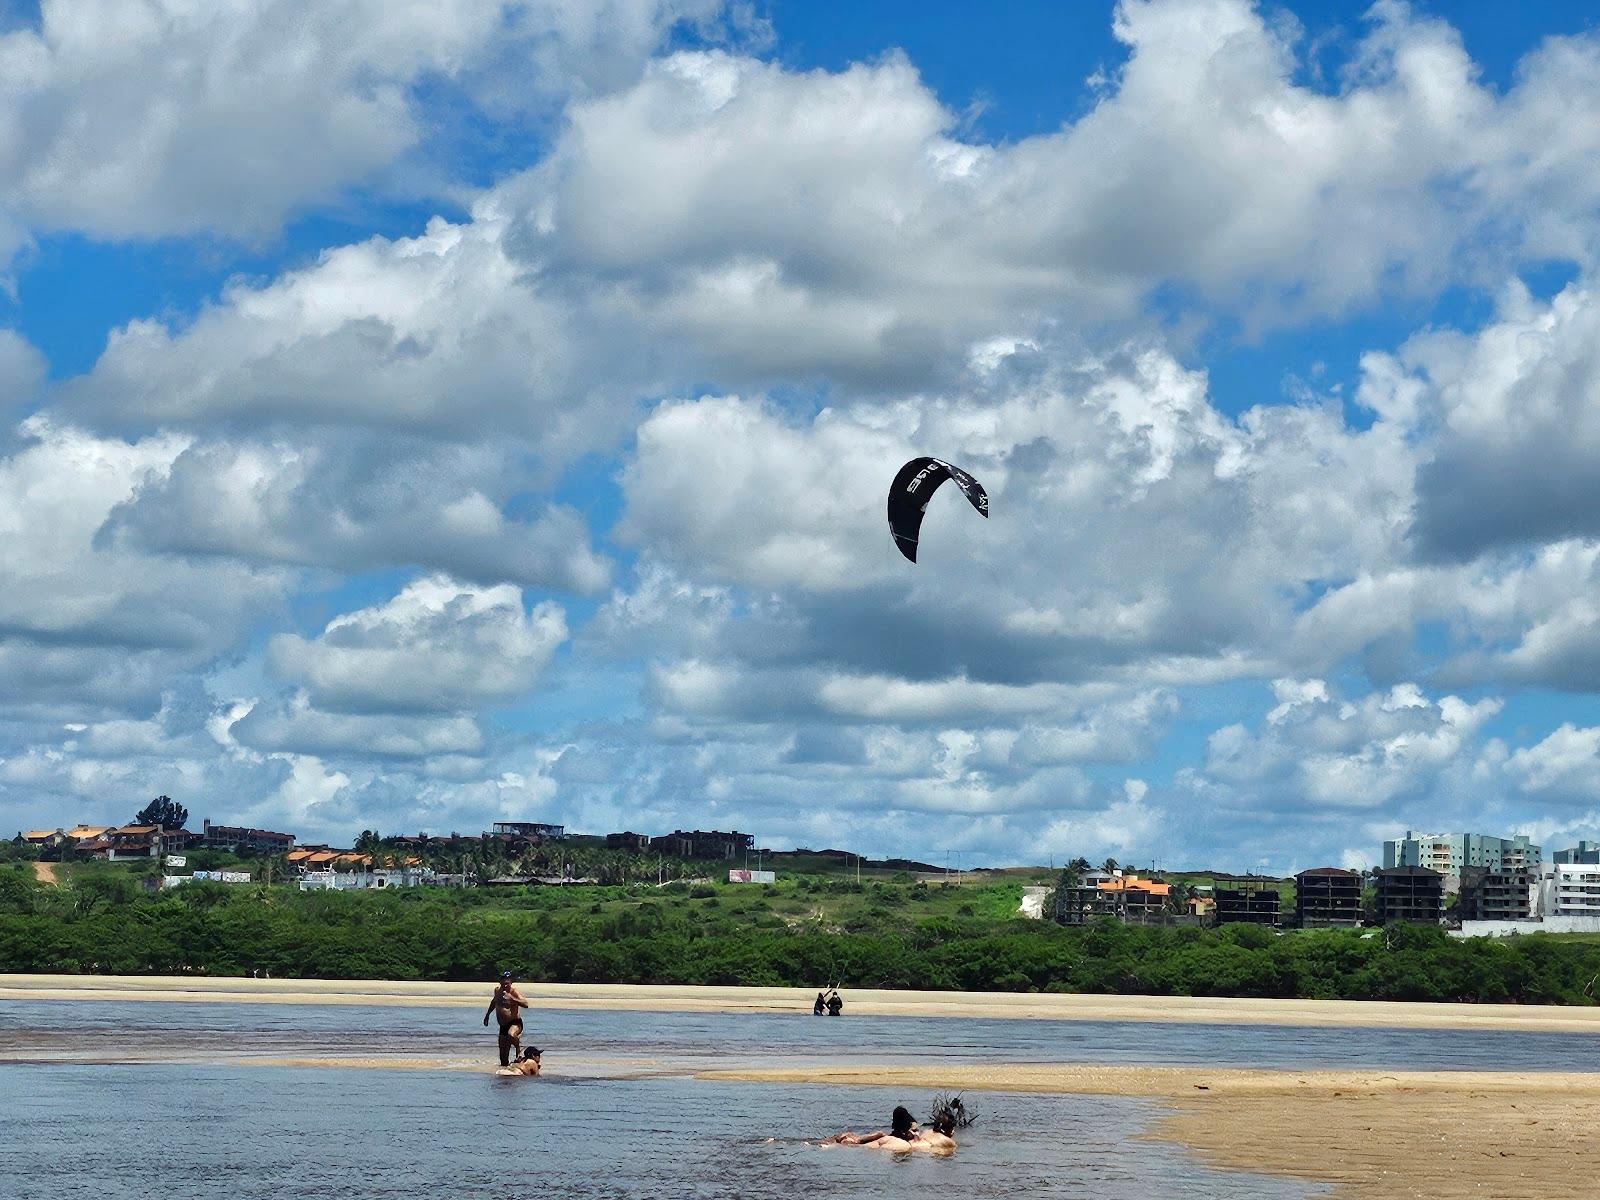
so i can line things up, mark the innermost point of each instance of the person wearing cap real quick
(507, 1004)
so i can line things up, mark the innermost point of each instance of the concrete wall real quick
(1548, 925)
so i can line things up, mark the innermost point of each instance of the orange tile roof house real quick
(323, 858)
(1122, 895)
(1132, 883)
(145, 841)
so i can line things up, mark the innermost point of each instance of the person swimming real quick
(938, 1137)
(905, 1135)
(902, 1129)
(528, 1063)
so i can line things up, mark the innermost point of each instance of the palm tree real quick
(1179, 896)
(1109, 866)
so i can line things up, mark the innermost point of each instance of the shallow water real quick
(617, 1115)
(245, 1132)
(674, 1041)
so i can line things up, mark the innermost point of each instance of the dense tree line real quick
(105, 925)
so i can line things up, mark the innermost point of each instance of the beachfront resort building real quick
(1409, 894)
(1246, 901)
(1449, 853)
(1327, 898)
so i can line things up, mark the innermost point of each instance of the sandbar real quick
(1370, 1134)
(1031, 1006)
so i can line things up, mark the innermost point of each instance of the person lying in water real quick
(904, 1135)
(527, 1063)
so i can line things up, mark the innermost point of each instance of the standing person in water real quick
(507, 1004)
(821, 1006)
(835, 1003)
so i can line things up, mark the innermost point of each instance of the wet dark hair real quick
(949, 1111)
(901, 1123)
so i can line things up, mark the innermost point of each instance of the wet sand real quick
(1445, 1135)
(1217, 1010)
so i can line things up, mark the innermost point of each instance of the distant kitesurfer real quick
(527, 1063)
(835, 1003)
(507, 1004)
(821, 1006)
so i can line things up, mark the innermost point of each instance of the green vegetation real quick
(806, 932)
(163, 811)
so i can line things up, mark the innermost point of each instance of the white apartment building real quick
(1570, 890)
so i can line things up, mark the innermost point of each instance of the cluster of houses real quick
(320, 867)
(123, 843)
(1484, 884)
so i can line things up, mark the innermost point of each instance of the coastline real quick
(867, 1002)
(1367, 1134)
(1364, 1133)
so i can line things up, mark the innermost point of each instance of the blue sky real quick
(493, 420)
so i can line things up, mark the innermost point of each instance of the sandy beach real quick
(1368, 1132)
(1445, 1135)
(1034, 1006)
